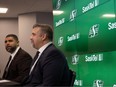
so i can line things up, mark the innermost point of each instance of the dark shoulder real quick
(53, 50)
(23, 53)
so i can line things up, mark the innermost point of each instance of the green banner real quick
(85, 32)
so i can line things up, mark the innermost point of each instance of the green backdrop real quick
(86, 33)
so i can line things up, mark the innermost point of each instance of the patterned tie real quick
(6, 68)
(33, 62)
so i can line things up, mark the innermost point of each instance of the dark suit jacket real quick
(19, 67)
(50, 70)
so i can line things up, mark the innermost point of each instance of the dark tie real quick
(6, 68)
(35, 57)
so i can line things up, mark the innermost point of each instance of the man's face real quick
(11, 44)
(36, 38)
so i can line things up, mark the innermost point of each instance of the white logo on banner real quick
(98, 83)
(75, 59)
(96, 2)
(58, 4)
(60, 22)
(94, 31)
(60, 41)
(90, 6)
(114, 85)
(73, 37)
(78, 82)
(73, 15)
(94, 57)
(111, 25)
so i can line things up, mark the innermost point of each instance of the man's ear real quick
(18, 43)
(44, 36)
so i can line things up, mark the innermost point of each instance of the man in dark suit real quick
(18, 66)
(50, 67)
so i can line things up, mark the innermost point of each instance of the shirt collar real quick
(14, 53)
(44, 47)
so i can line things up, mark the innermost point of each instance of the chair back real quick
(72, 77)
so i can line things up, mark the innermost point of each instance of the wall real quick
(26, 22)
(45, 17)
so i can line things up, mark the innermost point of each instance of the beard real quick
(32, 42)
(11, 49)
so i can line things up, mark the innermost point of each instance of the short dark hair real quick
(12, 35)
(46, 29)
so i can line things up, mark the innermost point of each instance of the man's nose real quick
(30, 37)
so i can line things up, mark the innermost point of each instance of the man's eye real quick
(10, 41)
(5, 42)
